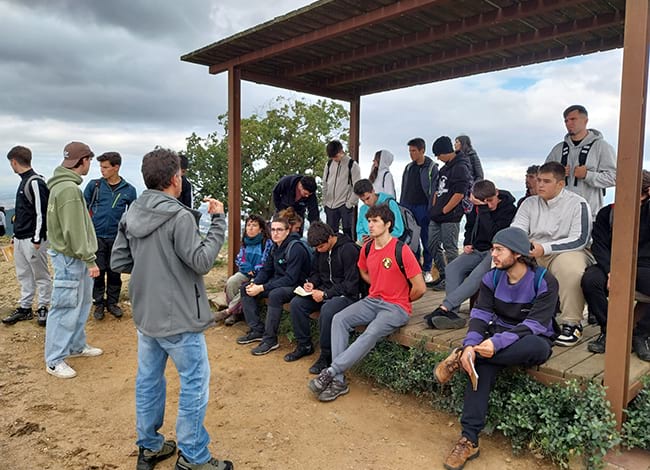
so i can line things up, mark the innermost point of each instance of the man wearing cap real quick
(339, 200)
(72, 249)
(511, 324)
(454, 181)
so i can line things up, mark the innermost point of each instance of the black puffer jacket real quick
(336, 272)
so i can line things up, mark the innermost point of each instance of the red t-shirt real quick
(386, 280)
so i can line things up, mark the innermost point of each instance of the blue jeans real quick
(421, 214)
(189, 353)
(71, 300)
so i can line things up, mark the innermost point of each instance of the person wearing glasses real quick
(287, 267)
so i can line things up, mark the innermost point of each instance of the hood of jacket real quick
(151, 210)
(385, 160)
(592, 136)
(63, 175)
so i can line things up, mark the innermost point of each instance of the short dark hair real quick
(318, 233)
(185, 163)
(418, 143)
(281, 220)
(262, 225)
(308, 183)
(113, 158)
(575, 107)
(159, 167)
(484, 189)
(645, 181)
(383, 212)
(22, 155)
(555, 168)
(532, 170)
(334, 147)
(363, 186)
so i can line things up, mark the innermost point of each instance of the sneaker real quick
(463, 451)
(41, 316)
(232, 319)
(212, 464)
(323, 362)
(446, 368)
(437, 281)
(115, 310)
(88, 351)
(641, 346)
(598, 345)
(250, 337)
(98, 314)
(61, 370)
(147, 459)
(221, 315)
(335, 389)
(264, 348)
(439, 286)
(570, 335)
(20, 314)
(321, 382)
(428, 278)
(300, 351)
(444, 320)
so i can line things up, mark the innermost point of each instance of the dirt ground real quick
(260, 416)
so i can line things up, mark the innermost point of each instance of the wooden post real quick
(628, 189)
(355, 120)
(234, 166)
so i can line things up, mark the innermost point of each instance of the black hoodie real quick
(336, 272)
(455, 177)
(482, 223)
(281, 270)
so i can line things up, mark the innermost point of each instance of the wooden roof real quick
(348, 48)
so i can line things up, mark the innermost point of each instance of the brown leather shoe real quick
(446, 368)
(463, 451)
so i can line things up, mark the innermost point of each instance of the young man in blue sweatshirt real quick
(366, 192)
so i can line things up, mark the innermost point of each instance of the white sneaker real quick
(88, 351)
(61, 370)
(428, 278)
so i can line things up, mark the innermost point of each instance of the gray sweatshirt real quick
(158, 242)
(337, 188)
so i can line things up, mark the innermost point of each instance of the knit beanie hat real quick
(514, 239)
(442, 145)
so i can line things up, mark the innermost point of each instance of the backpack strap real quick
(350, 163)
(329, 164)
(93, 198)
(399, 246)
(383, 180)
(539, 276)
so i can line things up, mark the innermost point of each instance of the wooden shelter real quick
(345, 49)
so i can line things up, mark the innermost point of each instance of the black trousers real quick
(108, 282)
(276, 299)
(343, 215)
(528, 351)
(302, 307)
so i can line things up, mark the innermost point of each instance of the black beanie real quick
(442, 145)
(514, 239)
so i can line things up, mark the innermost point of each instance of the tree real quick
(289, 138)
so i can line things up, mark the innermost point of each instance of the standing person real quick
(380, 175)
(73, 246)
(332, 285)
(298, 192)
(30, 239)
(186, 193)
(595, 281)
(558, 223)
(339, 176)
(454, 181)
(366, 193)
(395, 279)
(419, 181)
(107, 199)
(589, 161)
(511, 324)
(531, 183)
(3, 222)
(464, 144)
(159, 244)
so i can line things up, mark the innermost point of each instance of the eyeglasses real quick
(278, 229)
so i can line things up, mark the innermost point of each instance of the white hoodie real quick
(384, 182)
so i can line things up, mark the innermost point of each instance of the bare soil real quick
(261, 414)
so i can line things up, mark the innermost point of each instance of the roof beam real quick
(492, 18)
(296, 86)
(553, 53)
(378, 15)
(494, 45)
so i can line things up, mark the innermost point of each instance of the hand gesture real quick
(214, 205)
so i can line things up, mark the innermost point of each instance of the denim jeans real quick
(71, 300)
(421, 214)
(189, 353)
(463, 277)
(445, 234)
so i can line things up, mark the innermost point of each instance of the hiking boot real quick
(597, 346)
(641, 346)
(428, 278)
(443, 320)
(570, 335)
(300, 351)
(62, 370)
(232, 319)
(115, 310)
(446, 368)
(88, 351)
(264, 348)
(41, 316)
(221, 315)
(250, 337)
(98, 313)
(212, 464)
(320, 383)
(323, 362)
(20, 314)
(147, 459)
(463, 451)
(335, 389)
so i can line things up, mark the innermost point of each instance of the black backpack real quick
(398, 257)
(411, 235)
(582, 159)
(350, 163)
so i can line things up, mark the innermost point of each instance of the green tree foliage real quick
(288, 138)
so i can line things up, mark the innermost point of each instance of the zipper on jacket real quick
(198, 309)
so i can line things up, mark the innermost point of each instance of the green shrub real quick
(637, 421)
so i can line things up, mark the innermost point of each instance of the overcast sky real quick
(109, 73)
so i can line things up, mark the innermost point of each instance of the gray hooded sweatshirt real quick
(384, 182)
(159, 243)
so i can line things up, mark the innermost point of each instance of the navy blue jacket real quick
(428, 178)
(108, 206)
(281, 270)
(284, 196)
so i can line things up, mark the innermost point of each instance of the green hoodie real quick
(69, 228)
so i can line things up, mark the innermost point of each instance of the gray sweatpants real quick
(463, 277)
(32, 273)
(381, 318)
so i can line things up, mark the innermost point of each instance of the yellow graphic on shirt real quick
(387, 262)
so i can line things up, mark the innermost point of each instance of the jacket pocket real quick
(65, 294)
(198, 296)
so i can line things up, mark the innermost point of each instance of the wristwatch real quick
(325, 296)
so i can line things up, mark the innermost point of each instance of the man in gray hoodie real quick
(339, 200)
(159, 243)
